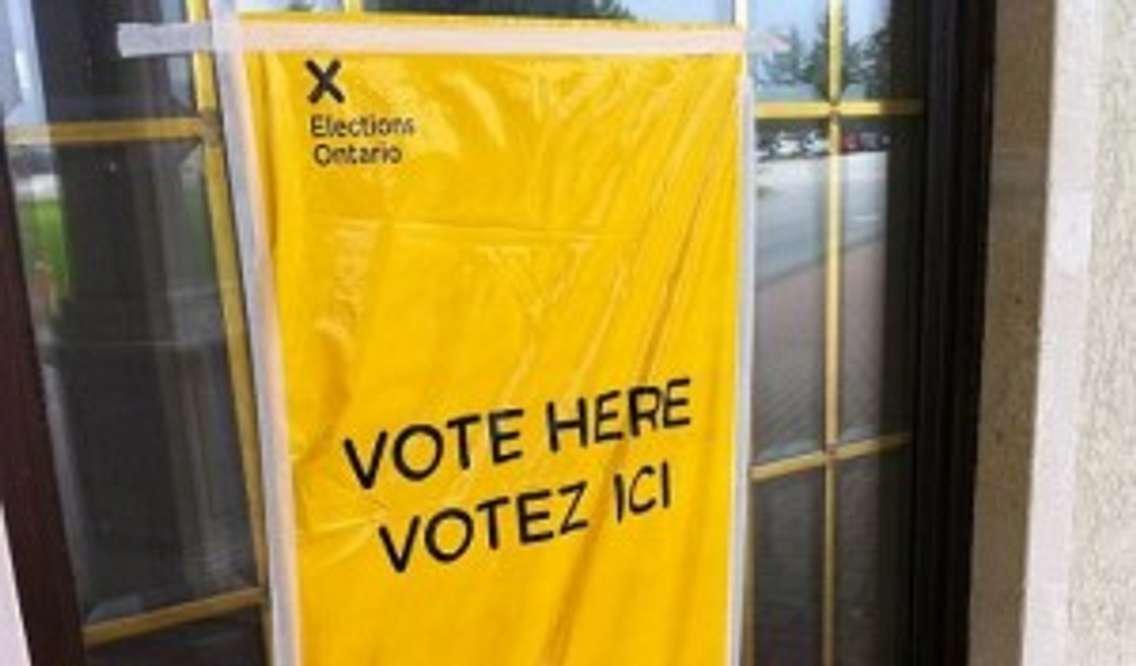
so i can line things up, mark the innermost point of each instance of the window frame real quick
(956, 112)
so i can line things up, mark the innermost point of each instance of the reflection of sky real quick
(864, 16)
(29, 108)
(719, 11)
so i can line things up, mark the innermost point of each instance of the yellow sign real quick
(508, 299)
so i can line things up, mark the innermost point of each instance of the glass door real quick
(839, 169)
(131, 266)
(130, 262)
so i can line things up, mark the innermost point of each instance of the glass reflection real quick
(290, 5)
(234, 640)
(880, 166)
(880, 52)
(873, 532)
(789, 49)
(788, 44)
(118, 254)
(788, 571)
(65, 65)
(791, 179)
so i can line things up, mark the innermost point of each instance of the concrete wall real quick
(1013, 312)
(1055, 529)
(1103, 575)
(13, 649)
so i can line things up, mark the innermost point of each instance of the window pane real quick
(234, 640)
(68, 67)
(881, 56)
(718, 11)
(118, 252)
(788, 43)
(788, 570)
(791, 177)
(290, 5)
(873, 563)
(882, 175)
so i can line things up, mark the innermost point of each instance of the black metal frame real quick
(959, 100)
(950, 288)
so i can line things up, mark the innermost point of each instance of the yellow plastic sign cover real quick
(507, 289)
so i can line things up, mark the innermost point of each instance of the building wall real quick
(1055, 513)
(1103, 576)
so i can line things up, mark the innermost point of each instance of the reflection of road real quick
(791, 208)
(789, 400)
(788, 408)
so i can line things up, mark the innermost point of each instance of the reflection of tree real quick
(564, 8)
(816, 72)
(874, 70)
(885, 57)
(798, 61)
(787, 65)
(876, 61)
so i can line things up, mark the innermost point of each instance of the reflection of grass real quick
(196, 217)
(44, 241)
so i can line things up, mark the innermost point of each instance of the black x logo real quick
(324, 81)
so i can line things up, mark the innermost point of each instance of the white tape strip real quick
(136, 39)
(143, 39)
(222, 36)
(747, 289)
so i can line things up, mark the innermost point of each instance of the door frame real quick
(28, 491)
(950, 324)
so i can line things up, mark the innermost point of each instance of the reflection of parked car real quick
(787, 145)
(815, 144)
(766, 148)
(870, 141)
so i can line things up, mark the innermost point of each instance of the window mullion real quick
(832, 325)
